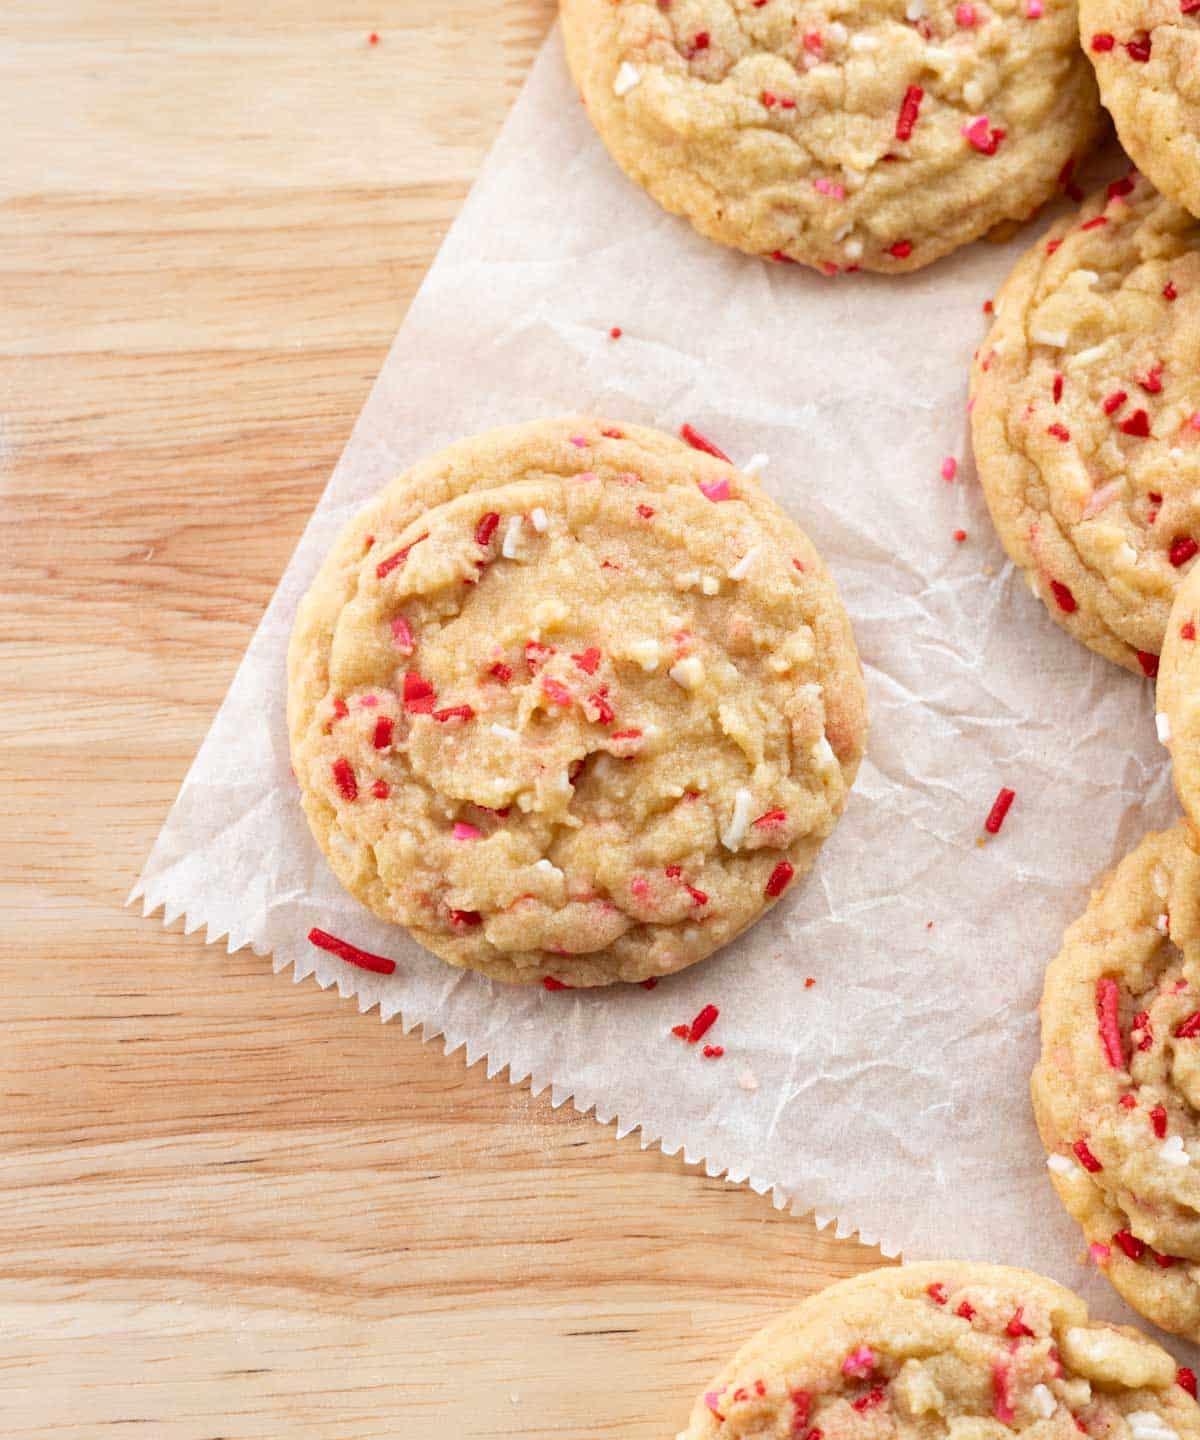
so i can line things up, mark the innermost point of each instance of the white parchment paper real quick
(893, 1094)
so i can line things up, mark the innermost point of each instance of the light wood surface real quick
(230, 1206)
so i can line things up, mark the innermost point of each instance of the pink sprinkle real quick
(981, 136)
(1001, 1400)
(813, 43)
(830, 188)
(555, 690)
(716, 490)
(1101, 498)
(949, 468)
(1035, 10)
(579, 442)
(463, 831)
(965, 16)
(710, 1399)
(1100, 1253)
(859, 1363)
(402, 635)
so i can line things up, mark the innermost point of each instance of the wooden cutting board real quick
(230, 1206)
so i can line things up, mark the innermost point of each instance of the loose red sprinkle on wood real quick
(702, 1024)
(1066, 601)
(1115, 401)
(452, 713)
(1085, 1157)
(902, 249)
(1183, 547)
(1188, 1029)
(1000, 808)
(372, 38)
(1108, 1011)
(937, 1292)
(1187, 631)
(966, 1311)
(1158, 1120)
(988, 307)
(713, 1052)
(379, 964)
(550, 983)
(1103, 42)
(701, 442)
(868, 1401)
(486, 527)
(343, 775)
(1139, 47)
(1185, 1376)
(1060, 432)
(588, 660)
(1148, 662)
(779, 878)
(381, 789)
(419, 695)
(910, 108)
(809, 983)
(383, 732)
(1132, 1246)
(385, 567)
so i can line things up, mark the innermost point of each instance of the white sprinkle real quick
(1147, 1425)
(1162, 924)
(1060, 1164)
(1161, 882)
(739, 821)
(741, 568)
(545, 867)
(837, 32)
(512, 538)
(1125, 555)
(687, 672)
(538, 516)
(1172, 1151)
(1056, 338)
(646, 653)
(973, 95)
(853, 249)
(914, 10)
(1087, 277)
(863, 42)
(1042, 1399)
(823, 757)
(756, 464)
(710, 585)
(627, 77)
(505, 732)
(1093, 352)
(1162, 723)
(747, 1081)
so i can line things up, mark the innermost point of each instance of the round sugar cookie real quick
(1086, 418)
(865, 135)
(1147, 59)
(967, 1351)
(1117, 1086)
(573, 702)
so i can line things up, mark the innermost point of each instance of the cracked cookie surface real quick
(1147, 59)
(1086, 418)
(968, 1351)
(573, 701)
(842, 135)
(1117, 1088)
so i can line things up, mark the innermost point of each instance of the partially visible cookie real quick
(869, 135)
(1117, 1088)
(1086, 418)
(1178, 694)
(1147, 59)
(573, 702)
(966, 1351)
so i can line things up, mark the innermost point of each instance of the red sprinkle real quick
(779, 878)
(902, 249)
(381, 789)
(701, 442)
(1158, 1120)
(1108, 1000)
(385, 567)
(1185, 1376)
(1187, 631)
(1115, 401)
(646, 512)
(698, 896)
(702, 1024)
(402, 636)
(380, 964)
(1169, 290)
(383, 732)
(1128, 1102)
(1188, 1029)
(1117, 189)
(1103, 42)
(680, 1030)
(1017, 1327)
(1066, 601)
(1058, 387)
(486, 527)
(588, 661)
(771, 819)
(1139, 47)
(966, 1311)
(910, 107)
(1183, 547)
(1148, 662)
(1141, 1021)
(372, 38)
(550, 983)
(419, 694)
(1152, 382)
(1000, 808)
(501, 671)
(960, 535)
(650, 983)
(1096, 223)
(613, 434)
(343, 774)
(1052, 246)
(453, 712)
(340, 709)
(536, 655)
(1085, 1157)
(809, 983)
(713, 1052)
(605, 715)
(1132, 1246)
(869, 1400)
(556, 691)
(615, 333)
(937, 1292)
(1060, 432)
(801, 1408)
(465, 919)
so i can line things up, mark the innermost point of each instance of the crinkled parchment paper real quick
(893, 1093)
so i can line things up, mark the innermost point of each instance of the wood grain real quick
(230, 1206)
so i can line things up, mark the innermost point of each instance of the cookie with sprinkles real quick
(1147, 54)
(1117, 1088)
(874, 136)
(1178, 694)
(1086, 418)
(574, 703)
(951, 1349)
